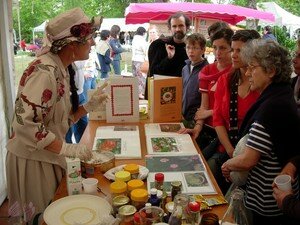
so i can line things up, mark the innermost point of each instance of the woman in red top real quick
(233, 86)
(208, 77)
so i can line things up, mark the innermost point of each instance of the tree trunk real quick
(251, 23)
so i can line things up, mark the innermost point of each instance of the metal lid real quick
(176, 184)
(120, 200)
(127, 210)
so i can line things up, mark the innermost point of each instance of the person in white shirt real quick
(139, 52)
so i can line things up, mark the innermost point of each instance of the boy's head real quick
(195, 47)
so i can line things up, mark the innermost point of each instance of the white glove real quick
(76, 151)
(97, 98)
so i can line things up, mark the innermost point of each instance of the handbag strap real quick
(233, 113)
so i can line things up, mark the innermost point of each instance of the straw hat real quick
(72, 25)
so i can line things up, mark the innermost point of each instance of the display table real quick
(88, 139)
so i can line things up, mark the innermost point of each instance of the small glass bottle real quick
(194, 210)
(179, 214)
(125, 213)
(154, 200)
(175, 188)
(159, 181)
(236, 212)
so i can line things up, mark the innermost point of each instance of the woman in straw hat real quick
(44, 112)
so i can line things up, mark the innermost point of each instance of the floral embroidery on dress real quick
(19, 109)
(42, 133)
(60, 89)
(32, 67)
(46, 96)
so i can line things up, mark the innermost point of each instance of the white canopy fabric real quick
(40, 28)
(109, 22)
(282, 17)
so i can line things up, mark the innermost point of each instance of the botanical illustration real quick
(109, 144)
(174, 163)
(169, 127)
(164, 144)
(167, 95)
(196, 179)
(125, 128)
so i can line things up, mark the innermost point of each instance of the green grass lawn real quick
(22, 59)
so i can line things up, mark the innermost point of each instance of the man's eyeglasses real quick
(250, 68)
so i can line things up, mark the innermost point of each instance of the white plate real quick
(110, 174)
(77, 209)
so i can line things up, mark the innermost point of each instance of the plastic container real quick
(135, 184)
(139, 197)
(122, 176)
(133, 169)
(118, 188)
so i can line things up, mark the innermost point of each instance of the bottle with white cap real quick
(154, 200)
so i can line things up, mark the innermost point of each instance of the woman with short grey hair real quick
(273, 127)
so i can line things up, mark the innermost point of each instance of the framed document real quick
(123, 105)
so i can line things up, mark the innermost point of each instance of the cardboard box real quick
(74, 178)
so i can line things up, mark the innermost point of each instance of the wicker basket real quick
(101, 162)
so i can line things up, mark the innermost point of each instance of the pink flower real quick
(173, 166)
(61, 90)
(163, 160)
(47, 95)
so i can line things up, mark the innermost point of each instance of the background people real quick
(191, 98)
(116, 49)
(103, 50)
(139, 51)
(271, 140)
(267, 33)
(296, 80)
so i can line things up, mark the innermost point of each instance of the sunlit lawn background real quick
(22, 59)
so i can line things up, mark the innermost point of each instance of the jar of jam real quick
(175, 188)
(139, 197)
(122, 176)
(135, 184)
(133, 169)
(126, 213)
(118, 202)
(118, 188)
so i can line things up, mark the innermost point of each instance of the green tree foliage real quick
(283, 38)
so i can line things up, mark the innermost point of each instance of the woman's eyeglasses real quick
(250, 68)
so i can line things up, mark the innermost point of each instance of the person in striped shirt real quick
(273, 127)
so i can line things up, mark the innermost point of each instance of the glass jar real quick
(175, 188)
(236, 212)
(118, 188)
(154, 200)
(133, 169)
(122, 176)
(135, 184)
(180, 211)
(139, 197)
(125, 213)
(194, 210)
(118, 202)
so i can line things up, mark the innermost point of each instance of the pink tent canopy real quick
(144, 12)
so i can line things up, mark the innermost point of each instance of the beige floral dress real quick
(42, 109)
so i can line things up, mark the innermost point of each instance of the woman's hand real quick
(279, 195)
(193, 132)
(97, 98)
(226, 171)
(76, 150)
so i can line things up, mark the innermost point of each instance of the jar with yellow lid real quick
(139, 197)
(133, 169)
(122, 176)
(118, 188)
(135, 184)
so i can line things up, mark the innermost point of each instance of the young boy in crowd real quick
(191, 99)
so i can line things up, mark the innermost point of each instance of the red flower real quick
(28, 71)
(81, 30)
(61, 90)
(47, 95)
(39, 135)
